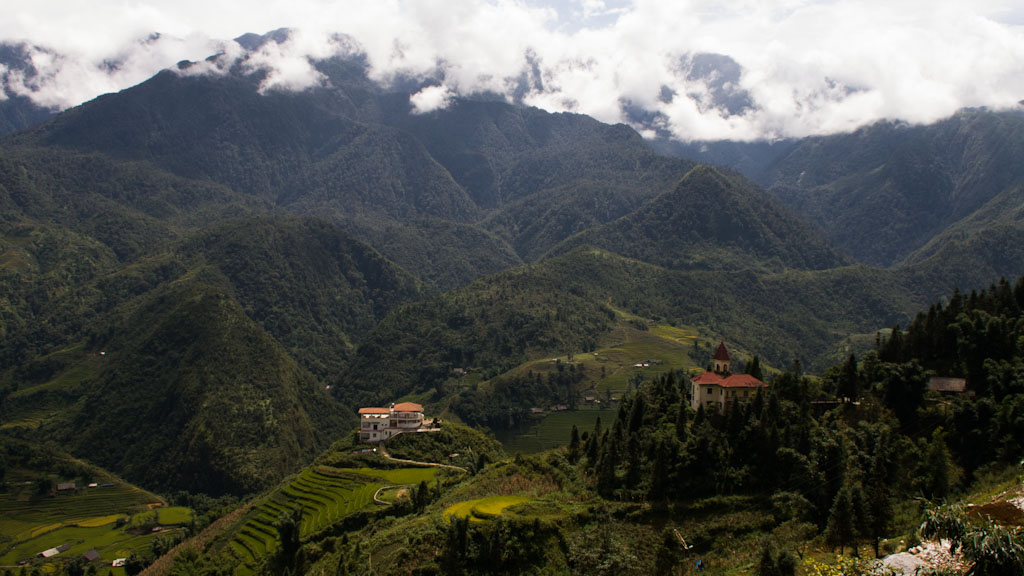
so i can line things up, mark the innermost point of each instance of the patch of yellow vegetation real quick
(495, 505)
(681, 335)
(47, 528)
(483, 508)
(462, 509)
(99, 521)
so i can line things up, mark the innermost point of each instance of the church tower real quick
(721, 360)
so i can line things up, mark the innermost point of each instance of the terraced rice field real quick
(326, 495)
(483, 509)
(85, 520)
(64, 509)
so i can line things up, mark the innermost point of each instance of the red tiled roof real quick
(708, 378)
(408, 407)
(742, 381)
(722, 353)
(374, 411)
(733, 381)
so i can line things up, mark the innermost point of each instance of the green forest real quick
(858, 463)
(202, 282)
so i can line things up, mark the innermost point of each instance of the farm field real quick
(552, 431)
(114, 520)
(635, 347)
(325, 495)
(483, 509)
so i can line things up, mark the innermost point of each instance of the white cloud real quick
(809, 67)
(429, 99)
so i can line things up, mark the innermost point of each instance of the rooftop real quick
(733, 381)
(722, 353)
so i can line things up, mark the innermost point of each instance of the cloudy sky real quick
(805, 66)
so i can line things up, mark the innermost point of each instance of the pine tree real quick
(878, 492)
(753, 368)
(594, 445)
(636, 415)
(848, 385)
(936, 467)
(288, 526)
(607, 481)
(841, 528)
(574, 445)
(682, 421)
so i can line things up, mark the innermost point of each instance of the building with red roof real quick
(715, 389)
(380, 424)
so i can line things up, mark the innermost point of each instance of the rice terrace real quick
(325, 496)
(115, 519)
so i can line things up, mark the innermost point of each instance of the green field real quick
(174, 515)
(85, 519)
(552, 431)
(635, 346)
(325, 495)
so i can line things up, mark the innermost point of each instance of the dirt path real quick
(378, 501)
(384, 453)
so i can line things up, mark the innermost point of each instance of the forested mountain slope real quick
(888, 190)
(566, 304)
(196, 367)
(713, 219)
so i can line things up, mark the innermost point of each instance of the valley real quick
(202, 281)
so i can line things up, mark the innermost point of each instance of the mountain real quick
(501, 153)
(186, 266)
(713, 219)
(195, 367)
(314, 288)
(568, 304)
(892, 193)
(194, 395)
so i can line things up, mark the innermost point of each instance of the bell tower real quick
(721, 360)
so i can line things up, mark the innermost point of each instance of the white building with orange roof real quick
(714, 390)
(380, 424)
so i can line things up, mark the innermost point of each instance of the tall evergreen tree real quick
(841, 528)
(936, 467)
(683, 421)
(753, 368)
(848, 385)
(574, 445)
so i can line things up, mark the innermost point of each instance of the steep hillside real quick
(501, 153)
(442, 253)
(213, 346)
(291, 148)
(314, 288)
(180, 390)
(537, 223)
(713, 219)
(885, 191)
